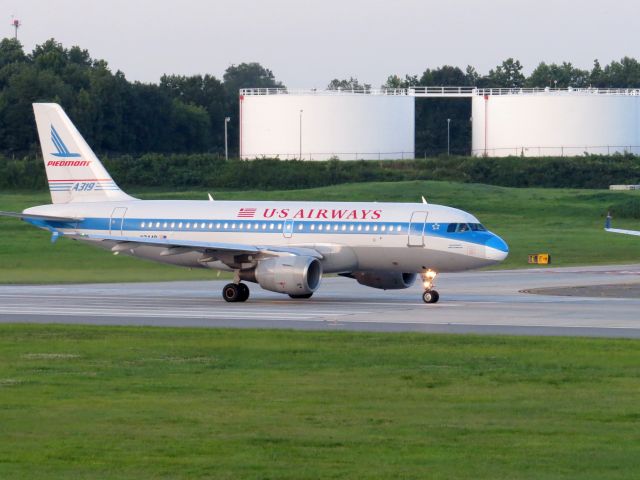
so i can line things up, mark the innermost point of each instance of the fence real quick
(561, 151)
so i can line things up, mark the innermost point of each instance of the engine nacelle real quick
(294, 275)
(385, 280)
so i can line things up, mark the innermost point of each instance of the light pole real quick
(226, 138)
(300, 135)
(448, 136)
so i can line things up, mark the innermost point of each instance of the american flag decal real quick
(247, 213)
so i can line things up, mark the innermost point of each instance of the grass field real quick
(109, 402)
(566, 223)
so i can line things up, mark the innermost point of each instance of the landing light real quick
(427, 279)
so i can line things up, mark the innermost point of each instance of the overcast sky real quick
(308, 43)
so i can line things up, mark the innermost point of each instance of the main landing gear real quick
(430, 295)
(235, 292)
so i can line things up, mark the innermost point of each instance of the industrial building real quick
(380, 124)
(318, 125)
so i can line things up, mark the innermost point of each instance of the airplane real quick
(284, 247)
(607, 228)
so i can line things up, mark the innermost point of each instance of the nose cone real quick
(496, 249)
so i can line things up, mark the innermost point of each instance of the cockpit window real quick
(465, 227)
(477, 227)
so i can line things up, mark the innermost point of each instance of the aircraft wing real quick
(39, 217)
(181, 246)
(626, 232)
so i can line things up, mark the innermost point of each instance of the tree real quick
(507, 75)
(248, 75)
(11, 52)
(622, 74)
(394, 81)
(351, 84)
(561, 76)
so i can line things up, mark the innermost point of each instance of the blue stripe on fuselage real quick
(317, 227)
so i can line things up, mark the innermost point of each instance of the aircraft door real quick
(116, 221)
(287, 228)
(416, 229)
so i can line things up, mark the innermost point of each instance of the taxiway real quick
(496, 302)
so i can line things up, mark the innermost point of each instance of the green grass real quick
(567, 223)
(110, 402)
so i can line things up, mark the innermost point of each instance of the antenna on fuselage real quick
(424, 200)
(210, 197)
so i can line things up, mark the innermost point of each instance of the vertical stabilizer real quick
(73, 171)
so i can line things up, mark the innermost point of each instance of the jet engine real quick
(385, 280)
(294, 275)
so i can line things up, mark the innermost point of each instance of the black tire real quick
(232, 292)
(303, 295)
(436, 296)
(430, 296)
(244, 292)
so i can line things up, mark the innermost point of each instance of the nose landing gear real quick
(430, 295)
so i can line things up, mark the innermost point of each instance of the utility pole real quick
(226, 138)
(448, 136)
(300, 157)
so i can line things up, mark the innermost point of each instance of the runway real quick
(486, 302)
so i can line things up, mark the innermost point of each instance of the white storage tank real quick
(556, 123)
(318, 125)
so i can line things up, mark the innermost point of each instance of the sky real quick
(308, 43)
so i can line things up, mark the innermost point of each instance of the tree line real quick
(185, 114)
(206, 171)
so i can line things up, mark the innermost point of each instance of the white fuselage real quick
(400, 237)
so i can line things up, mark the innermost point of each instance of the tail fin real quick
(74, 172)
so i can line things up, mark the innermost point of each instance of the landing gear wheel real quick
(244, 290)
(235, 292)
(303, 295)
(430, 296)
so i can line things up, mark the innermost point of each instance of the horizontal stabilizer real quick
(29, 216)
(625, 232)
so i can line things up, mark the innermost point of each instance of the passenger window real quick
(142, 225)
